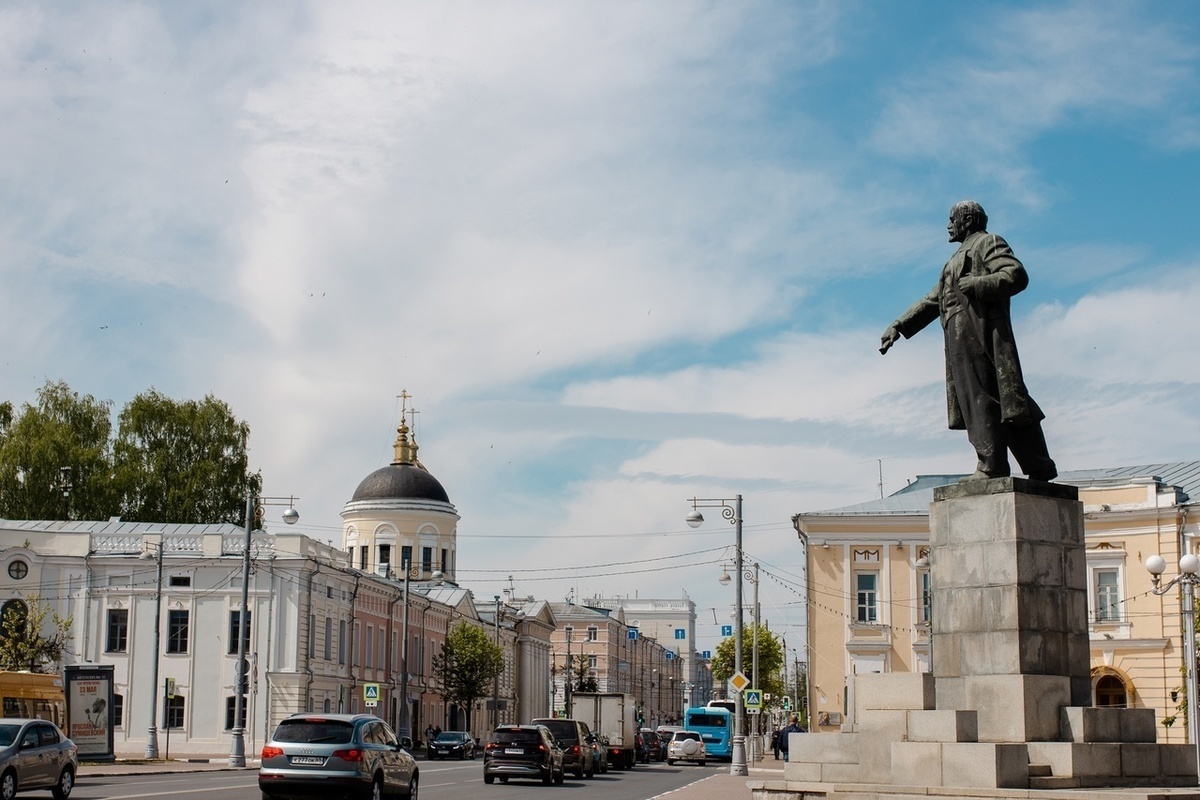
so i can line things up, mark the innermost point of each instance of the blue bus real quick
(715, 726)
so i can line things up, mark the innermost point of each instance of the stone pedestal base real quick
(1009, 708)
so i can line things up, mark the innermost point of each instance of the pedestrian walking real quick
(792, 727)
(775, 741)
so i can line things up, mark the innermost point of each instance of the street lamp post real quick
(152, 731)
(1189, 565)
(496, 679)
(733, 513)
(255, 507)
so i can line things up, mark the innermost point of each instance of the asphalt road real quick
(440, 780)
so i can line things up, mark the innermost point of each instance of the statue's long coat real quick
(989, 258)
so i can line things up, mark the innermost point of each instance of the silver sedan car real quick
(35, 754)
(335, 755)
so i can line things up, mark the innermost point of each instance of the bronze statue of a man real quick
(985, 392)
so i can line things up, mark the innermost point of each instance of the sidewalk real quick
(724, 786)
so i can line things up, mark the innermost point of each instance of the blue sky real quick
(621, 253)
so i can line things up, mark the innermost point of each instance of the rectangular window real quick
(231, 709)
(406, 555)
(180, 580)
(177, 631)
(362, 557)
(341, 641)
(680, 633)
(173, 718)
(445, 560)
(368, 646)
(235, 629)
(385, 554)
(593, 661)
(593, 634)
(117, 640)
(926, 597)
(1108, 598)
(379, 644)
(866, 591)
(118, 710)
(328, 639)
(426, 559)
(312, 635)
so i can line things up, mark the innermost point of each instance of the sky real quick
(621, 254)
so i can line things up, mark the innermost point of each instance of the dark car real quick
(35, 754)
(522, 751)
(452, 744)
(600, 752)
(334, 755)
(574, 737)
(651, 751)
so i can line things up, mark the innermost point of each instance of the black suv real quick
(522, 751)
(575, 739)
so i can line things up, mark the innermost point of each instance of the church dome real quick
(400, 482)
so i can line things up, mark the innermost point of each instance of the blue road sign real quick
(727, 630)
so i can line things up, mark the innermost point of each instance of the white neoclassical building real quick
(323, 622)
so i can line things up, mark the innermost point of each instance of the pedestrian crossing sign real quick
(371, 694)
(752, 698)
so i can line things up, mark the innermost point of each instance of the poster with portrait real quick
(90, 711)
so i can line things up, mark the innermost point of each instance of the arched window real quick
(1110, 692)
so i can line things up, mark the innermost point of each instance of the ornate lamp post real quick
(1189, 565)
(732, 511)
(255, 508)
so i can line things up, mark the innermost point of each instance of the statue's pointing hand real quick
(889, 338)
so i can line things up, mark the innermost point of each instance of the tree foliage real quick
(584, 680)
(25, 644)
(170, 461)
(62, 429)
(467, 666)
(770, 662)
(181, 461)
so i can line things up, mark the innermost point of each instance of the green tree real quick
(770, 661)
(467, 666)
(182, 461)
(584, 681)
(24, 642)
(60, 441)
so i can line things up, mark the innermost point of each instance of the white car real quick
(686, 746)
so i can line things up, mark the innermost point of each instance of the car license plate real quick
(514, 751)
(307, 760)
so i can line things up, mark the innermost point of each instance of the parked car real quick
(686, 746)
(652, 751)
(35, 754)
(522, 751)
(572, 735)
(452, 744)
(665, 732)
(337, 754)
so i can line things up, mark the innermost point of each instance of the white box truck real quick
(612, 715)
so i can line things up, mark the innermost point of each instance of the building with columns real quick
(323, 622)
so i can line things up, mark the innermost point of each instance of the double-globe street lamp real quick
(731, 509)
(255, 508)
(1189, 565)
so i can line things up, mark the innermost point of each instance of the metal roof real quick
(915, 498)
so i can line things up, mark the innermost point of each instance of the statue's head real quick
(966, 217)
